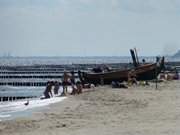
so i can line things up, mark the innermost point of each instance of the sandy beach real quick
(138, 110)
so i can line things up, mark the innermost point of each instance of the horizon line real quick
(70, 56)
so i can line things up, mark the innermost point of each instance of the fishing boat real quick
(149, 71)
(146, 71)
(105, 77)
(141, 71)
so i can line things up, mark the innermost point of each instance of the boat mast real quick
(137, 59)
(133, 58)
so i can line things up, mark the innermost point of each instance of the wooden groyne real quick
(31, 76)
(31, 72)
(15, 98)
(36, 84)
(38, 75)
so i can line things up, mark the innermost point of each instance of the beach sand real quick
(139, 110)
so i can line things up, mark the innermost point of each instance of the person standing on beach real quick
(74, 88)
(72, 78)
(66, 78)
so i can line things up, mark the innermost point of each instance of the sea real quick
(13, 109)
(17, 108)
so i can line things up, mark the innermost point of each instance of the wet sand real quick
(139, 110)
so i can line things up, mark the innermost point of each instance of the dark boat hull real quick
(142, 72)
(106, 77)
(147, 72)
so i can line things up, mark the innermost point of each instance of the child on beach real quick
(77, 89)
(74, 90)
(56, 87)
(48, 92)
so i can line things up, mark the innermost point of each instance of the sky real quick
(89, 27)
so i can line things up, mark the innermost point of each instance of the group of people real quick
(49, 88)
(173, 75)
(52, 87)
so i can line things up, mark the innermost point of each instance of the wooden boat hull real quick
(104, 78)
(147, 72)
(142, 72)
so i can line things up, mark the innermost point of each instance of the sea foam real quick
(8, 109)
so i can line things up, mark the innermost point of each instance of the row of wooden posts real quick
(31, 76)
(13, 98)
(23, 84)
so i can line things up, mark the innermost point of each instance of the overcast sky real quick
(89, 27)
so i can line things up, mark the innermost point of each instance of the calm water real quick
(60, 60)
(72, 60)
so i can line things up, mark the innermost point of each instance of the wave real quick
(9, 108)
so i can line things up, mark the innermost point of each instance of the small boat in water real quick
(141, 71)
